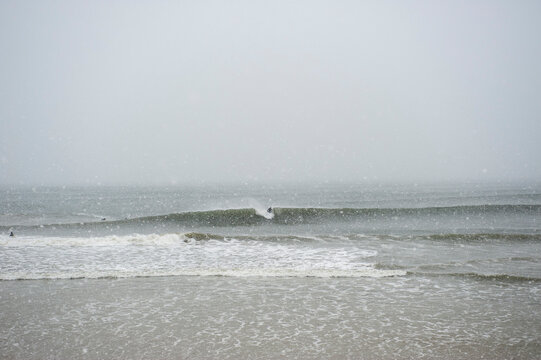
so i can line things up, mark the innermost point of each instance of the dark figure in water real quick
(269, 210)
(12, 234)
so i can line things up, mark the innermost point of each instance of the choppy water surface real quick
(336, 271)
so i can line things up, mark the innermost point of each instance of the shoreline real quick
(228, 318)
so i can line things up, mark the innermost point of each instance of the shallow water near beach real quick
(340, 271)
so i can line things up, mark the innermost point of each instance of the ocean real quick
(333, 271)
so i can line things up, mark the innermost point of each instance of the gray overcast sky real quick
(184, 91)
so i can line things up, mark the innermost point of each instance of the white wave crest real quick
(112, 240)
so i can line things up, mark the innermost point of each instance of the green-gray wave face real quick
(458, 216)
(292, 215)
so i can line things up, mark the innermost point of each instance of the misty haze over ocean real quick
(182, 92)
(270, 180)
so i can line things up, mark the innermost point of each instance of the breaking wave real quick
(295, 216)
(236, 217)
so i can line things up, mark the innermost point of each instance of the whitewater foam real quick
(243, 272)
(264, 213)
(179, 254)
